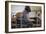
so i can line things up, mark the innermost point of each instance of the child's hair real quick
(27, 8)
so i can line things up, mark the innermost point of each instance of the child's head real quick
(27, 8)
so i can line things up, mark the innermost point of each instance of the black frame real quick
(6, 16)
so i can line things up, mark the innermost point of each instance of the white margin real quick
(25, 29)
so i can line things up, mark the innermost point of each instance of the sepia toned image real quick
(25, 16)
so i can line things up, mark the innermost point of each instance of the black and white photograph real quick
(25, 16)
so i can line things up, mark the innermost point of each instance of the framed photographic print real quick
(24, 16)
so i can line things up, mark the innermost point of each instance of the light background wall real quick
(20, 8)
(2, 17)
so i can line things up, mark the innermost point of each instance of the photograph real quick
(24, 16)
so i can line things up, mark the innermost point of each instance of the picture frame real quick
(34, 6)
